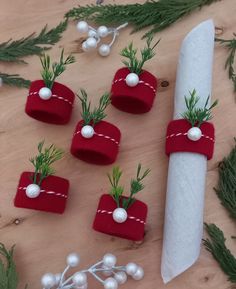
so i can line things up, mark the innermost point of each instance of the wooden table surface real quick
(43, 240)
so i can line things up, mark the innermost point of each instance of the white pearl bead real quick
(79, 278)
(82, 26)
(131, 268)
(109, 260)
(102, 31)
(45, 93)
(73, 260)
(85, 47)
(132, 79)
(87, 131)
(194, 133)
(32, 191)
(104, 50)
(106, 273)
(119, 215)
(91, 43)
(58, 278)
(48, 281)
(110, 283)
(138, 275)
(121, 277)
(92, 33)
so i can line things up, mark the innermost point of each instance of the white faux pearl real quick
(87, 131)
(48, 281)
(82, 26)
(58, 278)
(73, 260)
(194, 133)
(102, 31)
(106, 272)
(45, 93)
(132, 79)
(119, 215)
(131, 268)
(138, 275)
(104, 50)
(91, 43)
(79, 278)
(109, 260)
(32, 191)
(110, 283)
(92, 33)
(121, 277)
(84, 46)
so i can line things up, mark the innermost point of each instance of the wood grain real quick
(43, 240)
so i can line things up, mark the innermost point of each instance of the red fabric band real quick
(177, 140)
(52, 198)
(138, 99)
(102, 148)
(56, 110)
(131, 229)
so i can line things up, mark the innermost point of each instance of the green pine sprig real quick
(89, 116)
(230, 45)
(43, 161)
(134, 64)
(195, 115)
(51, 71)
(216, 246)
(116, 190)
(14, 80)
(155, 15)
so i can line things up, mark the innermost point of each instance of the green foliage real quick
(134, 64)
(157, 15)
(43, 161)
(51, 71)
(94, 116)
(196, 115)
(14, 80)
(116, 190)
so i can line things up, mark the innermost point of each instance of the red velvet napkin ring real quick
(55, 110)
(181, 137)
(102, 148)
(138, 99)
(52, 198)
(131, 229)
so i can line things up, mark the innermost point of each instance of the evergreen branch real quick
(230, 44)
(196, 115)
(157, 15)
(93, 117)
(15, 50)
(226, 189)
(14, 80)
(116, 190)
(43, 161)
(51, 72)
(216, 246)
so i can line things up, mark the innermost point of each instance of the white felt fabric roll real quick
(183, 228)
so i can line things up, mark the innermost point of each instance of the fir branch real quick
(196, 115)
(216, 246)
(230, 44)
(15, 50)
(92, 117)
(51, 71)
(116, 190)
(14, 80)
(157, 15)
(147, 53)
(43, 161)
(226, 189)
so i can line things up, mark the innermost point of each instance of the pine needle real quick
(14, 80)
(157, 15)
(116, 190)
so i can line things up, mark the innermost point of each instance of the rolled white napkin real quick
(183, 227)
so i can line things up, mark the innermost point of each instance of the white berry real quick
(48, 281)
(82, 26)
(110, 283)
(121, 277)
(87, 131)
(73, 260)
(92, 33)
(45, 93)
(131, 268)
(58, 278)
(109, 260)
(84, 46)
(194, 133)
(79, 278)
(91, 43)
(119, 215)
(102, 31)
(132, 79)
(138, 275)
(104, 50)
(32, 191)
